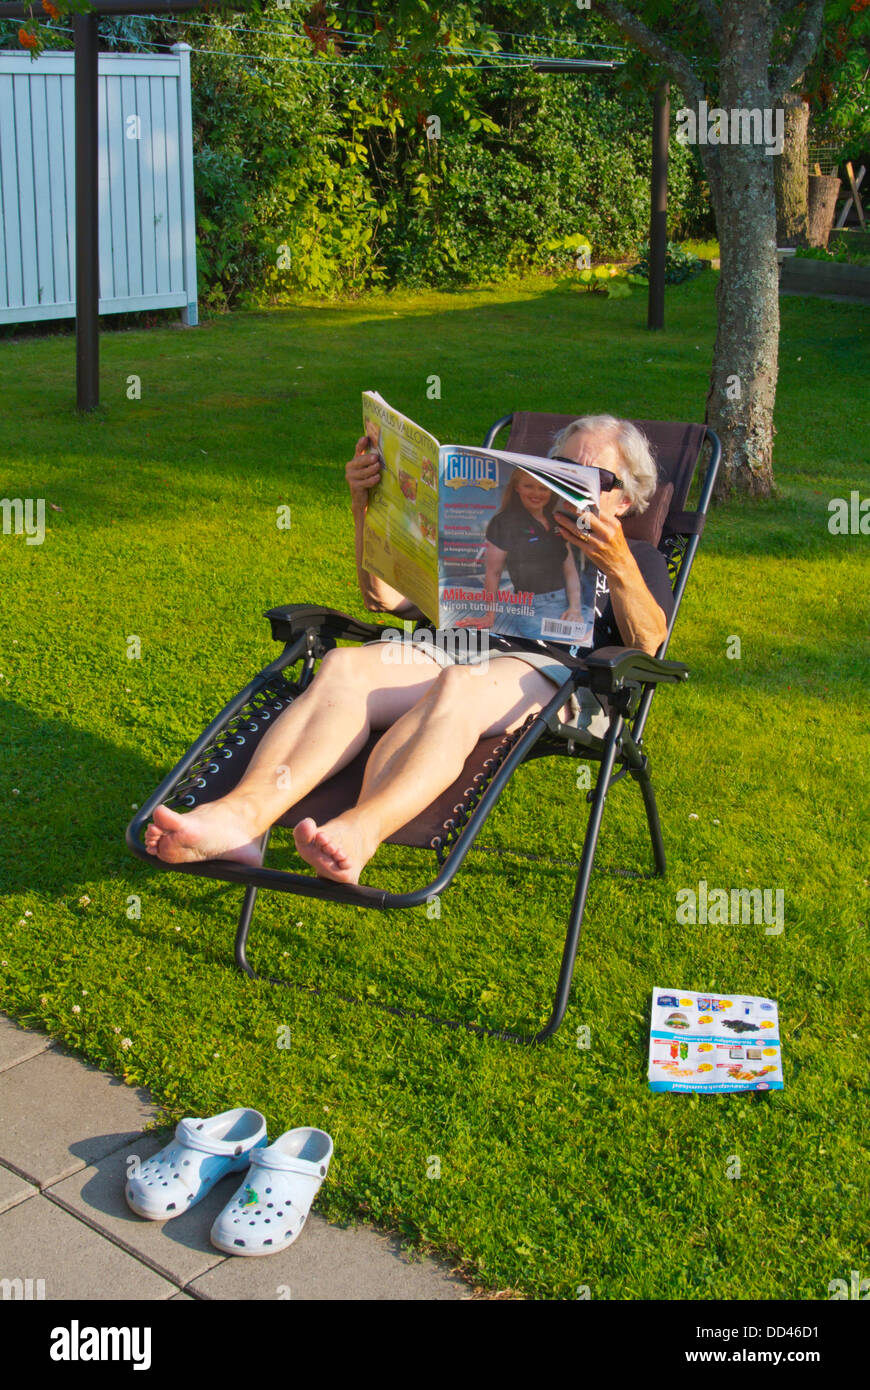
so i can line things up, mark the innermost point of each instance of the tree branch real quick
(783, 78)
(714, 19)
(675, 64)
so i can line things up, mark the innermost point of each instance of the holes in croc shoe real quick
(238, 1242)
(287, 1234)
(268, 1242)
(270, 1204)
(268, 1191)
(171, 1207)
(322, 1171)
(185, 1162)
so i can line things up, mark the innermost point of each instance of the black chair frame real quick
(627, 678)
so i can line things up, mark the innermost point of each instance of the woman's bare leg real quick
(419, 756)
(356, 690)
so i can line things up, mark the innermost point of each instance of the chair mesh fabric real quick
(676, 448)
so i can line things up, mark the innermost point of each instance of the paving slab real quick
(39, 1241)
(61, 1114)
(17, 1044)
(179, 1248)
(332, 1263)
(13, 1189)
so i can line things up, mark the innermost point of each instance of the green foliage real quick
(680, 264)
(842, 255)
(314, 167)
(836, 82)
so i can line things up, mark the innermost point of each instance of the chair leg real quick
(652, 815)
(578, 906)
(245, 916)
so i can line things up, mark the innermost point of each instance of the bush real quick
(679, 264)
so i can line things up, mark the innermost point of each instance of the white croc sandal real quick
(269, 1209)
(200, 1154)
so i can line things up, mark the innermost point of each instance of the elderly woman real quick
(434, 708)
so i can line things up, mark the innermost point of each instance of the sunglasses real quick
(608, 480)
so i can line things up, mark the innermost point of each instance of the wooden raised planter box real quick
(824, 277)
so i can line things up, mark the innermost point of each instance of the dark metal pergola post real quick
(87, 213)
(658, 220)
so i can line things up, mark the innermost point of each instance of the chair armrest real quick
(292, 619)
(611, 667)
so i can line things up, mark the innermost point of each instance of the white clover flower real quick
(27, 912)
(116, 1030)
(84, 900)
(76, 1008)
(692, 816)
(126, 1043)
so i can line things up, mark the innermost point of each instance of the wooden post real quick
(658, 222)
(87, 213)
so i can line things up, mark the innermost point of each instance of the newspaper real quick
(468, 534)
(713, 1042)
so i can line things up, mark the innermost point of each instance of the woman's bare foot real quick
(335, 850)
(214, 831)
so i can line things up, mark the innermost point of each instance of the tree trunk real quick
(790, 173)
(822, 206)
(743, 378)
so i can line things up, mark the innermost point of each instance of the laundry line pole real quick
(87, 212)
(87, 209)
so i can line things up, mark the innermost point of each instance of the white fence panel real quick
(147, 217)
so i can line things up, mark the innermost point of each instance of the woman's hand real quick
(572, 615)
(363, 472)
(603, 543)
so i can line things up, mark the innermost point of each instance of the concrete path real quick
(66, 1131)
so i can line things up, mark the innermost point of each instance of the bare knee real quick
(349, 668)
(460, 694)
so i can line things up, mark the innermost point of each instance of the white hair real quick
(638, 473)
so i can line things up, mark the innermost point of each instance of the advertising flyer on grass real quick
(469, 536)
(713, 1042)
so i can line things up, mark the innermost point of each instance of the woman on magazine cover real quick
(523, 538)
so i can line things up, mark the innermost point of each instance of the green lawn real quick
(558, 1167)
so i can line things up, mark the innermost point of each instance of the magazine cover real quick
(469, 535)
(503, 564)
(713, 1042)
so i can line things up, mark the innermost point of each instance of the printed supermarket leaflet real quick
(468, 534)
(713, 1042)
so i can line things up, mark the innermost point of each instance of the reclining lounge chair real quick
(449, 826)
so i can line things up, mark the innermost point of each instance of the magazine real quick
(468, 534)
(713, 1042)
